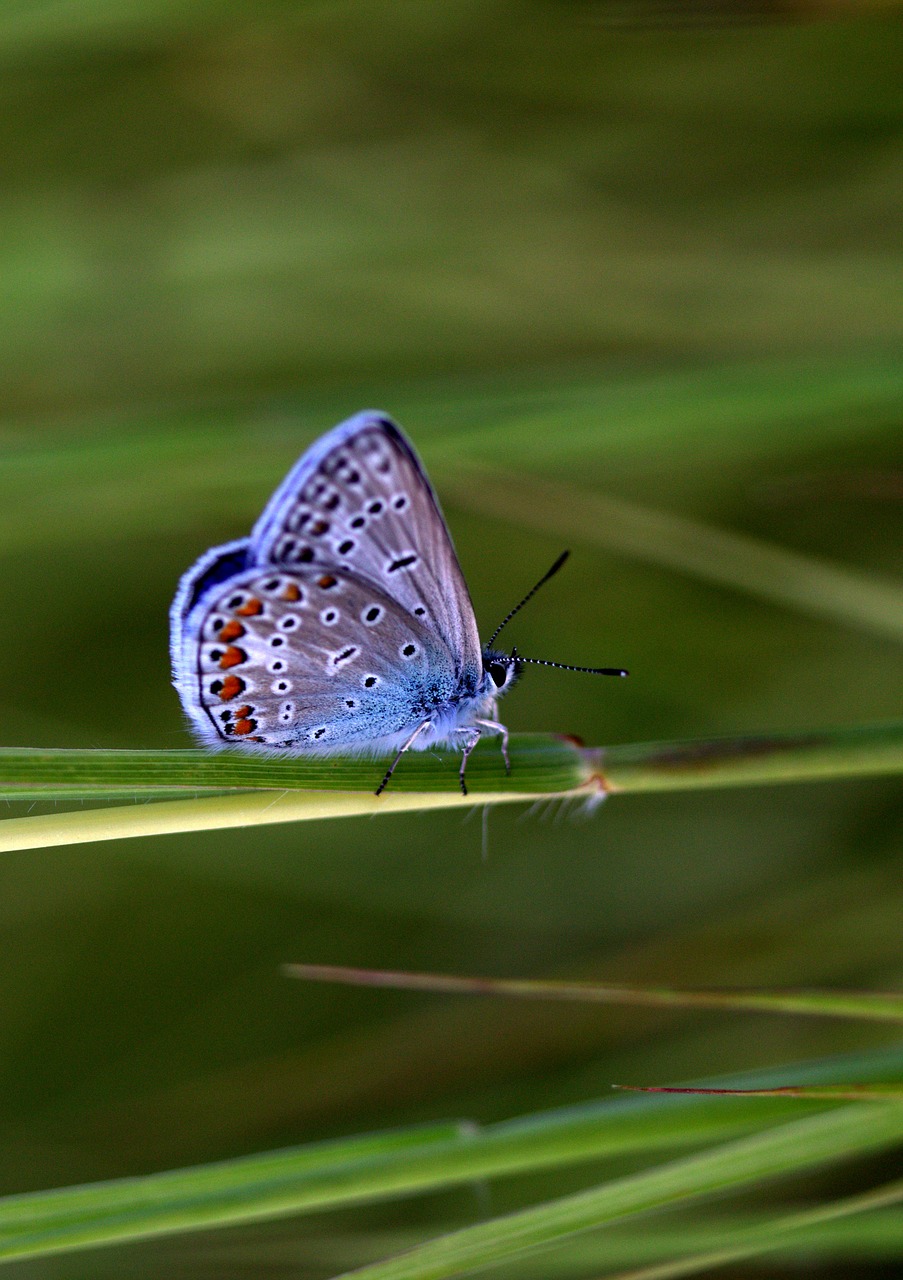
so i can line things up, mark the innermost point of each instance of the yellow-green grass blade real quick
(167, 817)
(871, 1005)
(349, 1171)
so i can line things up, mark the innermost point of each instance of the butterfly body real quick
(343, 623)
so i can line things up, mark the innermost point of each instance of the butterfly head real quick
(500, 671)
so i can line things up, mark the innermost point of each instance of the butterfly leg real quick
(503, 732)
(399, 753)
(475, 734)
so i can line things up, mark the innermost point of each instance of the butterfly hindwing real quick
(309, 659)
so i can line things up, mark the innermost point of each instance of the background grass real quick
(603, 247)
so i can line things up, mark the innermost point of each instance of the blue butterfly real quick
(343, 624)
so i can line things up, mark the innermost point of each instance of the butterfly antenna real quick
(566, 666)
(529, 596)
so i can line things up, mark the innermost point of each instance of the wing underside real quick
(309, 660)
(360, 501)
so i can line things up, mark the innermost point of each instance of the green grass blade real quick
(869, 1234)
(348, 1171)
(776, 1234)
(870, 1005)
(857, 751)
(864, 601)
(295, 790)
(694, 419)
(697, 420)
(785, 1149)
(540, 763)
(544, 764)
(51, 1207)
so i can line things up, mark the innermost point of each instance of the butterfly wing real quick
(309, 659)
(359, 501)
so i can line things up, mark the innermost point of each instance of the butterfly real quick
(343, 624)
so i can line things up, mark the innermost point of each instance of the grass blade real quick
(788, 1148)
(540, 763)
(777, 1233)
(836, 1093)
(871, 1005)
(863, 601)
(349, 1171)
(295, 790)
(858, 751)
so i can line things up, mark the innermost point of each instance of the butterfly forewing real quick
(314, 659)
(359, 502)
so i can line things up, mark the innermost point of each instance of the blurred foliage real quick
(218, 202)
(649, 257)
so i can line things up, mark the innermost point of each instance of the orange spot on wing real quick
(241, 713)
(326, 581)
(232, 657)
(245, 727)
(232, 687)
(231, 631)
(292, 592)
(251, 608)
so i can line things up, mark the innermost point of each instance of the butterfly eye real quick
(499, 673)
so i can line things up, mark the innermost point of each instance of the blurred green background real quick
(647, 251)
